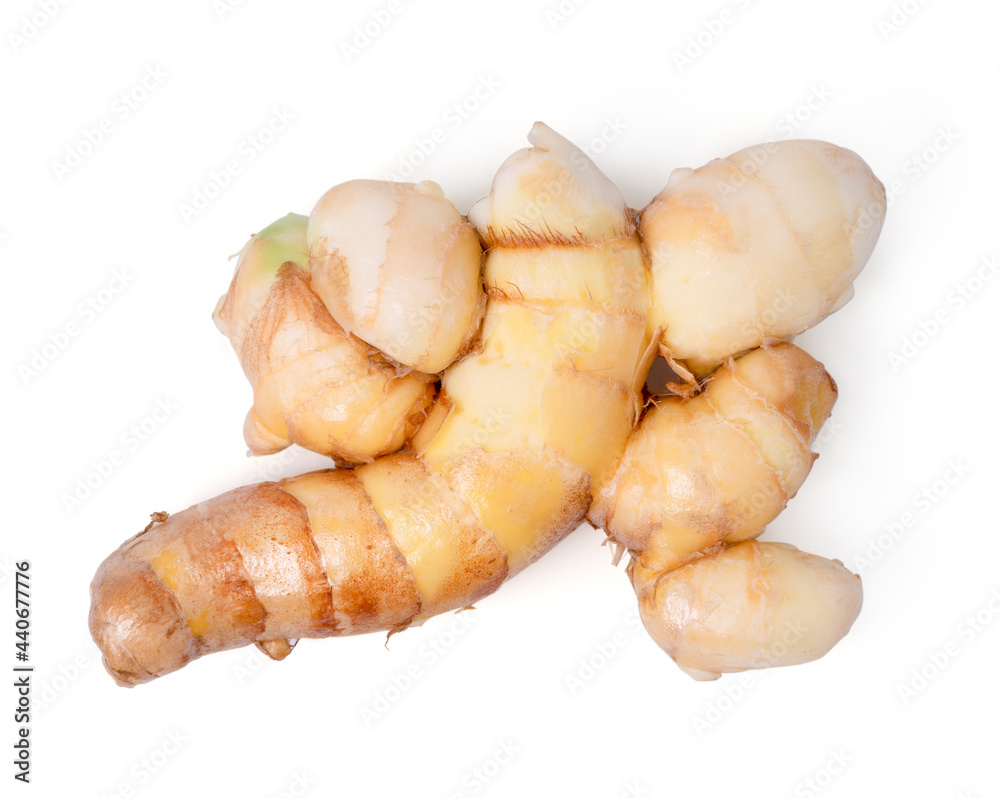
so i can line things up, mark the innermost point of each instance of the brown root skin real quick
(522, 236)
(136, 624)
(190, 585)
(155, 518)
(381, 547)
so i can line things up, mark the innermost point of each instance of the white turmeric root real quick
(532, 427)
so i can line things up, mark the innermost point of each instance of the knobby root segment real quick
(699, 476)
(313, 383)
(757, 247)
(750, 605)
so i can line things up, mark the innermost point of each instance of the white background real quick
(910, 86)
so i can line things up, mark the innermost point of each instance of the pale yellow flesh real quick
(514, 444)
